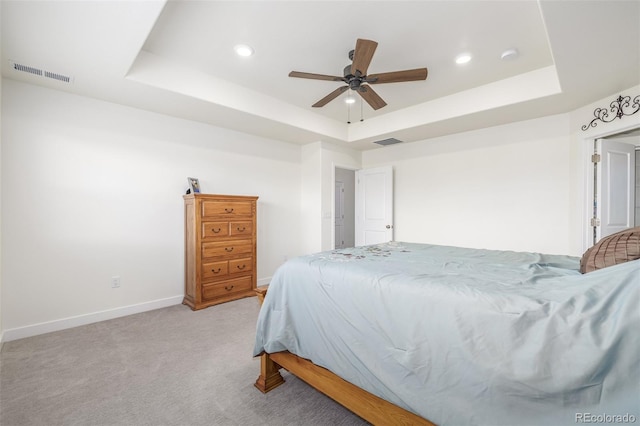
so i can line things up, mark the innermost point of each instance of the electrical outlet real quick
(115, 281)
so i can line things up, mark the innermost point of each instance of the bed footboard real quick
(366, 405)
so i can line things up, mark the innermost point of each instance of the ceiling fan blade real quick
(362, 56)
(398, 76)
(331, 96)
(315, 76)
(372, 98)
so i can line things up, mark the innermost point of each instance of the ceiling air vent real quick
(390, 141)
(39, 72)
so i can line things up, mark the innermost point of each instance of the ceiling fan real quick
(355, 75)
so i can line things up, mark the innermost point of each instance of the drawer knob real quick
(228, 287)
(215, 231)
(228, 249)
(228, 210)
(244, 228)
(241, 267)
(216, 271)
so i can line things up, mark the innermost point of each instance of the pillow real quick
(617, 248)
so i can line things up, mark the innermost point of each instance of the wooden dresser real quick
(220, 248)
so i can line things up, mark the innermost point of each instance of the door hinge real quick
(595, 158)
(595, 221)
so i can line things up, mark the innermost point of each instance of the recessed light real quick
(509, 54)
(350, 99)
(463, 58)
(243, 50)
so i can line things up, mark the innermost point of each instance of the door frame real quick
(335, 166)
(588, 145)
(608, 149)
(336, 197)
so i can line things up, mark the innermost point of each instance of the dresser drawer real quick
(237, 266)
(225, 288)
(215, 229)
(227, 248)
(214, 269)
(226, 208)
(240, 228)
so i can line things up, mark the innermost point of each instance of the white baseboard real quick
(1, 340)
(263, 281)
(63, 324)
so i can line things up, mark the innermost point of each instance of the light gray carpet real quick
(170, 366)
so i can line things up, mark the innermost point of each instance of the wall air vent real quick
(56, 76)
(390, 141)
(25, 68)
(40, 72)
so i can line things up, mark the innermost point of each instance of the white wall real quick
(505, 187)
(92, 189)
(310, 231)
(521, 186)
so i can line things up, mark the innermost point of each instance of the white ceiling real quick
(177, 58)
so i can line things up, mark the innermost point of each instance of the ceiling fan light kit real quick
(356, 77)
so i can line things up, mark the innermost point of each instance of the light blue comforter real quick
(463, 336)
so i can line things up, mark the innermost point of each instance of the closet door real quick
(374, 205)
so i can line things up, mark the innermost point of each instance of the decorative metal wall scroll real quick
(619, 107)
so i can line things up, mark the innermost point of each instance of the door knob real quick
(388, 226)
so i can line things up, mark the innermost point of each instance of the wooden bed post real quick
(269, 377)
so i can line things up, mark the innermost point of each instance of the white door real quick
(615, 192)
(339, 215)
(374, 205)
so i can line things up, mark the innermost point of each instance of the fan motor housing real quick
(353, 81)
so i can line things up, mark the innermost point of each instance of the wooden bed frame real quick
(366, 405)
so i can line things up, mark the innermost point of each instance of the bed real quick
(422, 333)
